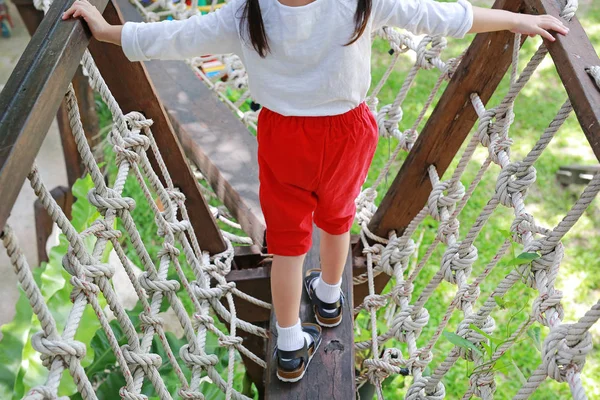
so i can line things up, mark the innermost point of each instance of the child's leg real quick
(334, 252)
(286, 288)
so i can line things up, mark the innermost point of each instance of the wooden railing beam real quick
(572, 54)
(480, 71)
(33, 93)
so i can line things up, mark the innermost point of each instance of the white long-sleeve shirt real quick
(309, 71)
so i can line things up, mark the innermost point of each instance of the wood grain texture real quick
(32, 18)
(33, 94)
(481, 70)
(131, 87)
(572, 54)
(215, 140)
(330, 376)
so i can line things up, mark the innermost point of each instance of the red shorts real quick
(312, 167)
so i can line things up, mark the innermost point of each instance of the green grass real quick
(547, 200)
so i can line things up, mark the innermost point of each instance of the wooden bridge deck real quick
(331, 372)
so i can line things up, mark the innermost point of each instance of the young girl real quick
(308, 64)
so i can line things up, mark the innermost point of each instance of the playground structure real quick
(173, 114)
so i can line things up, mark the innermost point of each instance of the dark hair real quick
(252, 23)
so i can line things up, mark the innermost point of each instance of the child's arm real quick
(457, 19)
(215, 33)
(486, 20)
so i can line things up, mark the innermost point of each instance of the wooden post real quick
(131, 87)
(572, 54)
(480, 71)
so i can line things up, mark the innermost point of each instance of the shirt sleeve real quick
(213, 33)
(425, 16)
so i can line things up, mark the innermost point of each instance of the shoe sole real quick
(292, 380)
(325, 325)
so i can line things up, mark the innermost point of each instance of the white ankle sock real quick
(292, 338)
(327, 293)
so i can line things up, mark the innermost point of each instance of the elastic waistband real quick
(348, 115)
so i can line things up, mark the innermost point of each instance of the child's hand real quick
(101, 29)
(532, 25)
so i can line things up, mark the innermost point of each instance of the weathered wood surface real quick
(131, 87)
(576, 174)
(33, 94)
(572, 54)
(213, 138)
(331, 372)
(443, 134)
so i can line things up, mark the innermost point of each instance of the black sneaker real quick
(291, 365)
(324, 317)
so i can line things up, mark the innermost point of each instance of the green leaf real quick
(476, 329)
(535, 334)
(14, 336)
(501, 303)
(523, 258)
(461, 342)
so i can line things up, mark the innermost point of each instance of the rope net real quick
(396, 348)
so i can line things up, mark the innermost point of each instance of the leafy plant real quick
(22, 368)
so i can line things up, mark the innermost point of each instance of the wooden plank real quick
(443, 134)
(255, 282)
(331, 372)
(572, 54)
(131, 87)
(213, 138)
(33, 94)
(258, 346)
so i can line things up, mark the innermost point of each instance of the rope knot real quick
(439, 202)
(483, 383)
(189, 394)
(204, 320)
(111, 201)
(212, 293)
(230, 341)
(172, 227)
(548, 301)
(426, 57)
(514, 178)
(144, 360)
(103, 230)
(559, 356)
(147, 321)
(374, 301)
(201, 360)
(127, 395)
(137, 120)
(447, 228)
(82, 286)
(56, 346)
(151, 285)
(487, 325)
(420, 390)
(45, 392)
(407, 323)
(456, 260)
